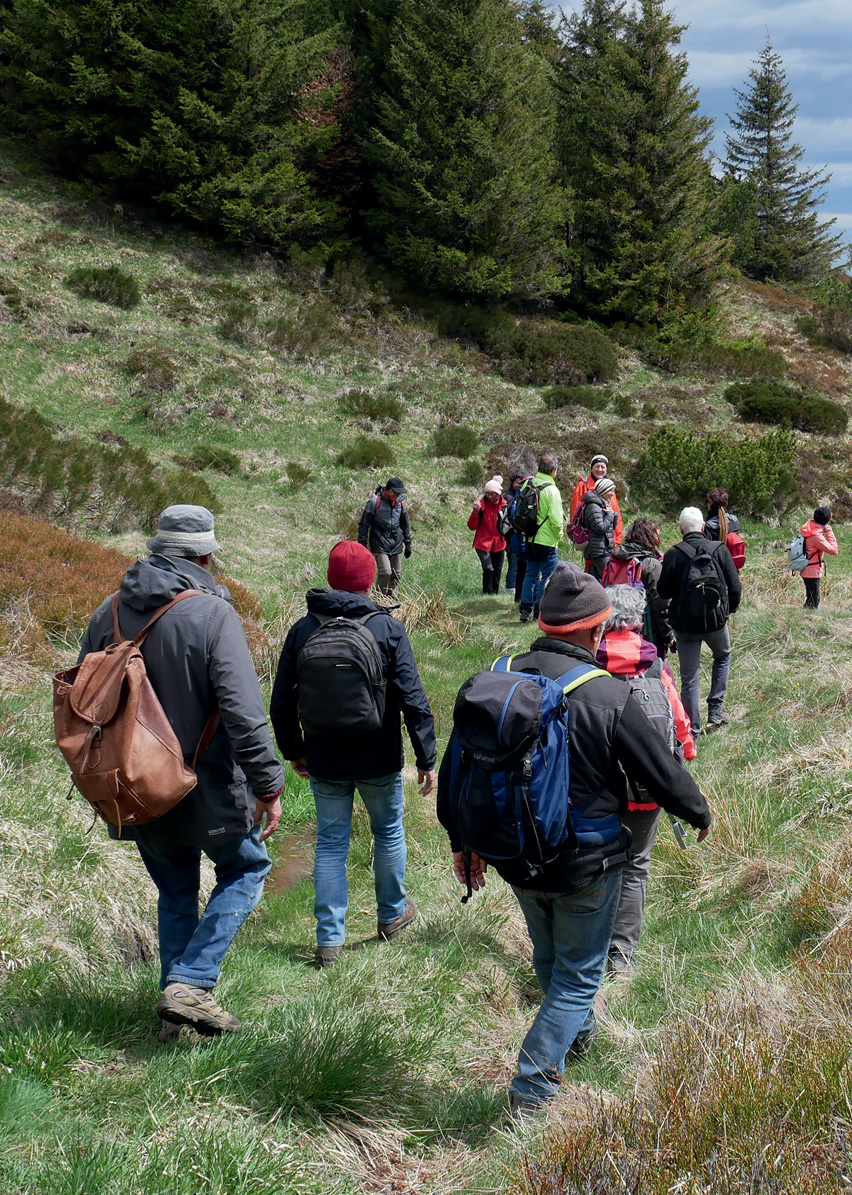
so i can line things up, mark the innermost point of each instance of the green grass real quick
(392, 1068)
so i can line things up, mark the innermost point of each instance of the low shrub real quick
(622, 406)
(706, 355)
(454, 440)
(237, 322)
(763, 401)
(80, 483)
(369, 404)
(107, 284)
(210, 456)
(156, 371)
(367, 452)
(678, 468)
(581, 396)
(830, 327)
(298, 475)
(471, 473)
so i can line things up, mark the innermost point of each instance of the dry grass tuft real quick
(430, 612)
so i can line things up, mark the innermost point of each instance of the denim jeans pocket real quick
(589, 900)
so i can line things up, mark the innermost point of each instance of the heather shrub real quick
(581, 396)
(622, 406)
(830, 327)
(678, 468)
(763, 401)
(367, 452)
(155, 370)
(471, 473)
(107, 284)
(211, 456)
(298, 475)
(369, 404)
(454, 440)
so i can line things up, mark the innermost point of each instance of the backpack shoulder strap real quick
(139, 639)
(578, 676)
(687, 549)
(503, 664)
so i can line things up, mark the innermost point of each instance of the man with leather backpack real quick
(198, 662)
(703, 587)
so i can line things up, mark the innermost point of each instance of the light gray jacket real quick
(198, 660)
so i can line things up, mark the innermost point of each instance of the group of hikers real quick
(595, 687)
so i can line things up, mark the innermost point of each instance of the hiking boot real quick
(327, 956)
(184, 1004)
(716, 722)
(525, 617)
(389, 929)
(522, 1111)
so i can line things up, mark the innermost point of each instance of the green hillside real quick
(723, 1065)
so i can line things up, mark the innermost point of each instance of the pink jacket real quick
(484, 522)
(819, 540)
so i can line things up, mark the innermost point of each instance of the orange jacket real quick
(582, 487)
(819, 540)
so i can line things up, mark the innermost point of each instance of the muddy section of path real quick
(293, 861)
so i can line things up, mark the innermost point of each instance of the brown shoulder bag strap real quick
(212, 724)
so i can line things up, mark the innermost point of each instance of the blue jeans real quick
(540, 564)
(570, 936)
(333, 799)
(191, 947)
(689, 655)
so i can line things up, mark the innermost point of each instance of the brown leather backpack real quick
(124, 756)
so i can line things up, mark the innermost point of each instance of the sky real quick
(814, 40)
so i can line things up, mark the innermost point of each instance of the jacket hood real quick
(812, 528)
(339, 602)
(575, 651)
(591, 497)
(151, 583)
(628, 550)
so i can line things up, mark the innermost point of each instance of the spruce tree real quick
(208, 107)
(633, 148)
(461, 153)
(788, 241)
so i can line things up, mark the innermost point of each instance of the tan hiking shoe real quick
(389, 929)
(327, 956)
(183, 1004)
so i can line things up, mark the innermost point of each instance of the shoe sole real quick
(177, 1015)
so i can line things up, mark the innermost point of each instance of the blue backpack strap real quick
(577, 676)
(503, 664)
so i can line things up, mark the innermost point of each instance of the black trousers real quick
(811, 593)
(492, 567)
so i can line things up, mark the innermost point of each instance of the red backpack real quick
(736, 545)
(623, 572)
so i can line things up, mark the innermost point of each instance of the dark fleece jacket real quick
(364, 756)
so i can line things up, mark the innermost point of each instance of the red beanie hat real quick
(351, 567)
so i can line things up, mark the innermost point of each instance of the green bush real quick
(454, 440)
(830, 327)
(622, 406)
(581, 396)
(298, 475)
(763, 401)
(77, 483)
(472, 473)
(154, 369)
(367, 452)
(678, 468)
(694, 351)
(107, 284)
(371, 405)
(210, 456)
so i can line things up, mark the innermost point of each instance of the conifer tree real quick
(461, 151)
(208, 107)
(785, 238)
(633, 148)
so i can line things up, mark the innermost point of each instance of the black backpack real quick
(703, 604)
(526, 520)
(340, 677)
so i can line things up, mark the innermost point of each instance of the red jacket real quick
(626, 653)
(484, 523)
(819, 540)
(582, 487)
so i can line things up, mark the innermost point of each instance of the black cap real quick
(394, 483)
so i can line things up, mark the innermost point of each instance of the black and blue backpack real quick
(509, 770)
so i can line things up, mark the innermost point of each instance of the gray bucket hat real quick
(184, 531)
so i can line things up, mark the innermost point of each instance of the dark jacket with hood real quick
(385, 525)
(198, 661)
(599, 520)
(609, 740)
(363, 756)
(675, 566)
(651, 569)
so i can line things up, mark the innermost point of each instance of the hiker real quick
(516, 548)
(702, 594)
(318, 717)
(599, 519)
(198, 662)
(642, 547)
(597, 470)
(819, 541)
(623, 651)
(720, 524)
(543, 546)
(488, 543)
(569, 901)
(385, 530)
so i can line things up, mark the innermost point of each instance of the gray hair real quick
(690, 519)
(628, 608)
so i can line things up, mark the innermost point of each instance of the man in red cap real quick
(346, 674)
